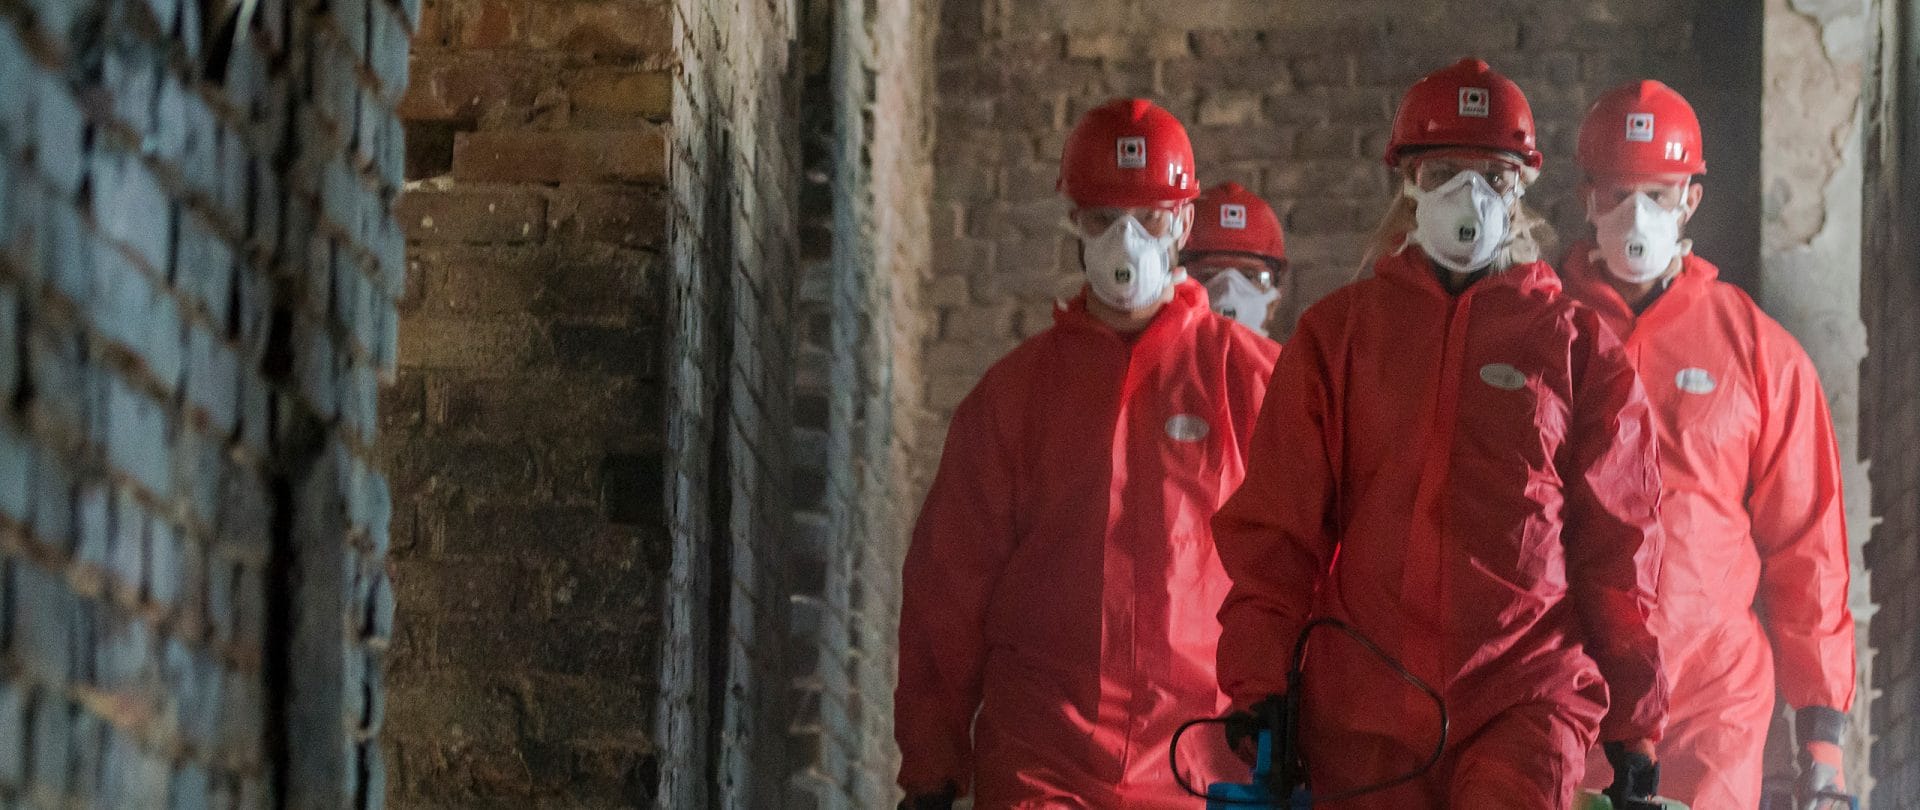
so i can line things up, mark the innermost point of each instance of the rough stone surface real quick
(198, 269)
(1889, 434)
(1810, 263)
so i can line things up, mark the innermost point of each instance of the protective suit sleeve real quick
(960, 546)
(1613, 542)
(1798, 513)
(1248, 384)
(1276, 535)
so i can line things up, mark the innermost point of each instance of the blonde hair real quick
(1530, 239)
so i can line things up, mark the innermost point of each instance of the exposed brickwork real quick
(197, 274)
(815, 392)
(734, 158)
(526, 433)
(865, 233)
(624, 299)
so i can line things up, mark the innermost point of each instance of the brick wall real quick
(1292, 99)
(1890, 391)
(864, 226)
(815, 389)
(735, 265)
(526, 434)
(197, 275)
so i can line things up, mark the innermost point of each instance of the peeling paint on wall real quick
(1811, 158)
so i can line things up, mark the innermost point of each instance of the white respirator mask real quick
(1638, 238)
(1127, 267)
(1236, 297)
(1462, 224)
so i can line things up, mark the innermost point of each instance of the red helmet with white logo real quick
(1641, 128)
(1464, 105)
(1230, 219)
(1127, 153)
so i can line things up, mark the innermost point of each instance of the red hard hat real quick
(1641, 128)
(1231, 219)
(1126, 153)
(1465, 105)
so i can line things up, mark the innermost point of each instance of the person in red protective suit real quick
(1753, 591)
(1239, 253)
(1458, 461)
(1062, 581)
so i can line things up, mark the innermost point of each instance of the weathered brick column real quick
(197, 274)
(525, 432)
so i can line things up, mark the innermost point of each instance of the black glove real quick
(1243, 728)
(932, 801)
(1636, 777)
(1819, 730)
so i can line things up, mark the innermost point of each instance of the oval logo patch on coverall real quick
(1186, 427)
(1695, 381)
(1503, 376)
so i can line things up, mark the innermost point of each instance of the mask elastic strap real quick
(1174, 268)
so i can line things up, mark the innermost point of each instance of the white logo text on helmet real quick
(1132, 152)
(1640, 127)
(1233, 216)
(1473, 102)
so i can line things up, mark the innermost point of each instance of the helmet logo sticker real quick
(1132, 151)
(1187, 427)
(1640, 127)
(1177, 176)
(1695, 381)
(1503, 376)
(1676, 150)
(1473, 102)
(1233, 216)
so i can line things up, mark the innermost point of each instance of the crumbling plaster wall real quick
(1810, 250)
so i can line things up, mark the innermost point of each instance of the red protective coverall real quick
(1470, 481)
(1756, 545)
(1062, 579)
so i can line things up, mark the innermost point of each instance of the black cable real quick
(1439, 704)
(1296, 667)
(1173, 757)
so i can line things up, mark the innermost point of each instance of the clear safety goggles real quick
(1091, 222)
(1204, 267)
(1433, 172)
(1668, 194)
